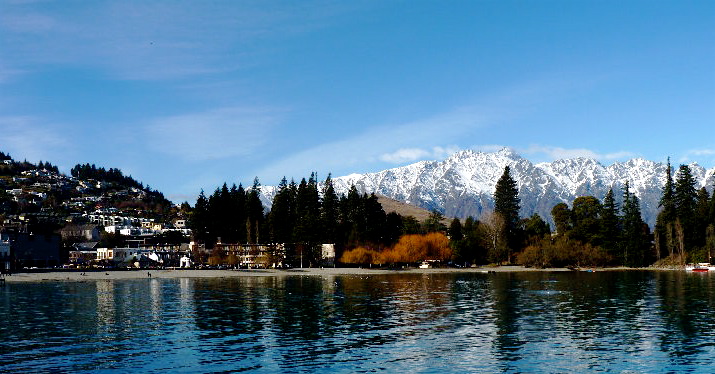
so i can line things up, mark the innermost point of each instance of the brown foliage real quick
(561, 252)
(416, 248)
(360, 255)
(410, 249)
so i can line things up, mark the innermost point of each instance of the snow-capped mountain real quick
(463, 184)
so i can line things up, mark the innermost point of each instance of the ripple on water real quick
(610, 321)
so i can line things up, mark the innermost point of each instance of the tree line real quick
(590, 232)
(685, 227)
(87, 171)
(304, 214)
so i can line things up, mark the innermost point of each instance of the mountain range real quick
(463, 184)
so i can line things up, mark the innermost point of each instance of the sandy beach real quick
(77, 275)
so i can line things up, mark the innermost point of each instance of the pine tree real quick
(455, 230)
(506, 204)
(665, 234)
(353, 213)
(700, 217)
(667, 200)
(199, 219)
(394, 228)
(375, 219)
(330, 212)
(685, 199)
(254, 213)
(685, 196)
(610, 223)
(308, 218)
(634, 243)
(281, 216)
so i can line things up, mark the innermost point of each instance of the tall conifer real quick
(281, 217)
(506, 204)
(610, 222)
(685, 196)
(634, 242)
(330, 212)
(685, 199)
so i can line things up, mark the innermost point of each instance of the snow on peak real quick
(463, 184)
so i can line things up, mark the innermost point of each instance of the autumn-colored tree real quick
(360, 255)
(409, 249)
(416, 248)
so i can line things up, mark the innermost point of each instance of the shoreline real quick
(93, 275)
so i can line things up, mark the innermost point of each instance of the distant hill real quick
(403, 209)
(26, 187)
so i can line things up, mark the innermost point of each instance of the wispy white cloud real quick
(154, 40)
(33, 23)
(702, 152)
(557, 153)
(413, 140)
(29, 138)
(404, 155)
(488, 147)
(215, 134)
(393, 144)
(704, 156)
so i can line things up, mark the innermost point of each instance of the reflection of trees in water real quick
(599, 317)
(517, 317)
(506, 305)
(687, 310)
(304, 317)
(538, 314)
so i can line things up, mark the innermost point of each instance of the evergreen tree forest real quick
(594, 233)
(87, 171)
(588, 233)
(685, 226)
(303, 215)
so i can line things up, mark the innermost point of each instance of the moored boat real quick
(700, 267)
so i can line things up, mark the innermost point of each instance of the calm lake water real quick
(620, 321)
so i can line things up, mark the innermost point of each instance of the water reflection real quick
(512, 322)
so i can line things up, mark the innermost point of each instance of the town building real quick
(5, 254)
(35, 250)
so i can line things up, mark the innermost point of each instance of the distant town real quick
(97, 218)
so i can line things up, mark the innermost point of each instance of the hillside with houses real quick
(93, 217)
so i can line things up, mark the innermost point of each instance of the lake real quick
(619, 321)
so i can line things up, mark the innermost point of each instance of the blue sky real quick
(185, 95)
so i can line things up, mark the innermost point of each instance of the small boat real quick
(429, 264)
(702, 267)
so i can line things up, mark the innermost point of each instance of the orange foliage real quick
(360, 255)
(410, 249)
(416, 248)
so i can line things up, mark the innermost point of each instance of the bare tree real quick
(494, 228)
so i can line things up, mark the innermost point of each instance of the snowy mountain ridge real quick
(463, 184)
